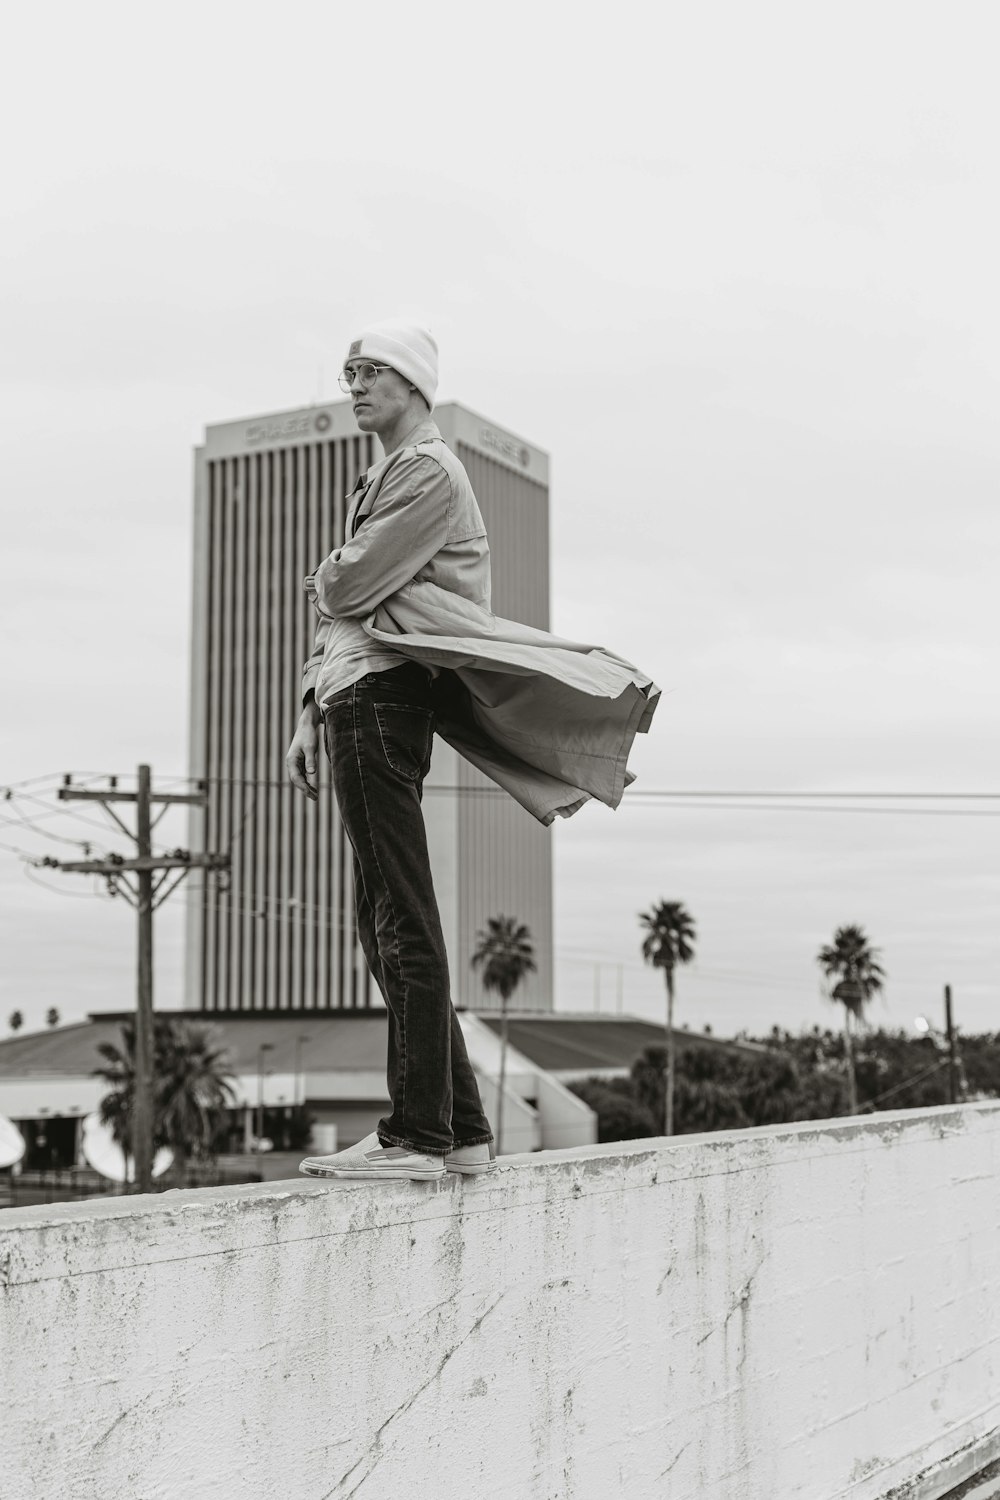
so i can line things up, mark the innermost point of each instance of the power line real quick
(674, 793)
(23, 822)
(284, 784)
(22, 853)
(267, 906)
(910, 796)
(48, 812)
(690, 972)
(56, 891)
(695, 801)
(681, 792)
(13, 786)
(243, 822)
(914, 1078)
(894, 812)
(250, 903)
(56, 776)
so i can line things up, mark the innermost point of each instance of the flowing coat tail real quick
(551, 721)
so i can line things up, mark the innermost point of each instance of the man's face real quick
(384, 402)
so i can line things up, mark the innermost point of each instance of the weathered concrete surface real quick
(982, 1486)
(801, 1311)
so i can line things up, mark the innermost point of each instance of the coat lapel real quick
(357, 499)
(365, 492)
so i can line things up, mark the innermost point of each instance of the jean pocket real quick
(406, 731)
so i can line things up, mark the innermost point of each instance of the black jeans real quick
(378, 735)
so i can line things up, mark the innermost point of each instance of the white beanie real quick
(409, 349)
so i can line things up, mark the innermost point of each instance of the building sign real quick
(281, 429)
(504, 447)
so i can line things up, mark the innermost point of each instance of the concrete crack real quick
(740, 1300)
(377, 1439)
(120, 1418)
(682, 1450)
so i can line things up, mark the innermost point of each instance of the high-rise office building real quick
(270, 501)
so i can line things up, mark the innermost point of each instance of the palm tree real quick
(507, 955)
(191, 1090)
(851, 957)
(669, 941)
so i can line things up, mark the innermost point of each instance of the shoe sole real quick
(366, 1175)
(476, 1170)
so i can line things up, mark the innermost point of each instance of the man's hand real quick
(301, 757)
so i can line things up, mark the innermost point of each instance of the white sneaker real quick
(370, 1161)
(471, 1160)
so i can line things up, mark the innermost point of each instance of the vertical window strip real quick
(320, 872)
(261, 1000)
(276, 906)
(272, 901)
(224, 1000)
(307, 847)
(292, 805)
(210, 907)
(338, 888)
(249, 841)
(238, 670)
(299, 808)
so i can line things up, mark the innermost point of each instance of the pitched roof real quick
(347, 1040)
(560, 1042)
(343, 1041)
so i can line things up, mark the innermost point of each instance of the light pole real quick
(264, 1047)
(946, 1043)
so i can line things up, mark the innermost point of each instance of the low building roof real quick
(561, 1042)
(346, 1040)
(341, 1040)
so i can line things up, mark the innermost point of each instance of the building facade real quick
(278, 932)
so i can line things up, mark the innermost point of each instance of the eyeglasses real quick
(366, 375)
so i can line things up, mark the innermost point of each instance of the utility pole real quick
(146, 896)
(264, 1047)
(950, 1034)
(142, 1121)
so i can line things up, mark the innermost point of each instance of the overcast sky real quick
(733, 266)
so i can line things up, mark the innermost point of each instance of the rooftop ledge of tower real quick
(792, 1311)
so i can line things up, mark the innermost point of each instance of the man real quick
(407, 645)
(413, 515)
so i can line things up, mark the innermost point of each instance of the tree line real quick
(781, 1078)
(850, 967)
(680, 1087)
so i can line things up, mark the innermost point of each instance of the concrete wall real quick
(799, 1311)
